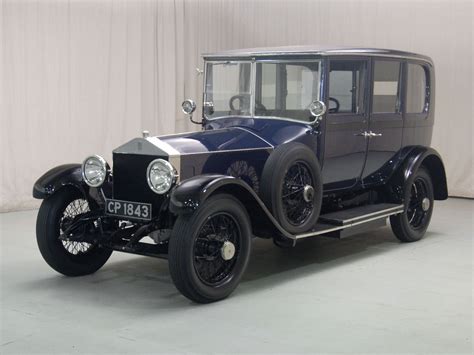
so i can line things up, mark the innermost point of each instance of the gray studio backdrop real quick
(81, 77)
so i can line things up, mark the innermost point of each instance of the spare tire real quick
(291, 187)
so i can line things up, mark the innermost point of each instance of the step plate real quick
(355, 219)
(352, 215)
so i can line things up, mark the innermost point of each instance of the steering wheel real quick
(334, 109)
(241, 98)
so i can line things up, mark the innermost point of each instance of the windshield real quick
(227, 90)
(283, 89)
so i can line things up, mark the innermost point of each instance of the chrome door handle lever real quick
(363, 134)
(372, 134)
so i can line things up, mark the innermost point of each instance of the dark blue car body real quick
(367, 159)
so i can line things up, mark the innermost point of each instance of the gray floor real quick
(364, 294)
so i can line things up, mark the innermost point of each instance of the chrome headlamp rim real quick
(172, 171)
(103, 164)
(188, 106)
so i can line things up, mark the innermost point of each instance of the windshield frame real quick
(253, 70)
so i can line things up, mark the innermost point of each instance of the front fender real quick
(191, 193)
(56, 178)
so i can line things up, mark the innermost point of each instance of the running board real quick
(351, 221)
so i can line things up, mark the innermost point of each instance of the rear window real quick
(417, 89)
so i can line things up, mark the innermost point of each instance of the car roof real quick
(313, 50)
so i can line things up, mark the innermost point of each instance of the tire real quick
(187, 246)
(276, 181)
(58, 254)
(411, 225)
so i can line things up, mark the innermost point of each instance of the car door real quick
(344, 144)
(386, 119)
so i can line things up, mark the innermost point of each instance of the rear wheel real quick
(209, 250)
(68, 257)
(411, 225)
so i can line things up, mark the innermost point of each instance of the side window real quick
(286, 89)
(347, 83)
(386, 92)
(417, 89)
(300, 87)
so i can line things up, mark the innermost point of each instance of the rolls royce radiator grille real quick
(129, 179)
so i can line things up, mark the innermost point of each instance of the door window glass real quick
(347, 83)
(287, 89)
(416, 89)
(386, 94)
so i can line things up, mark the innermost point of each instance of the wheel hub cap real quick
(425, 204)
(308, 193)
(227, 250)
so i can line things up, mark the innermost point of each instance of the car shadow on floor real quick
(147, 282)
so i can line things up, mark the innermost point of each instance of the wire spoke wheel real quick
(298, 203)
(216, 249)
(419, 204)
(71, 212)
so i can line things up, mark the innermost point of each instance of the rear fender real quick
(193, 192)
(431, 160)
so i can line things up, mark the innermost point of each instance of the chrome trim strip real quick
(229, 151)
(375, 213)
(253, 80)
(176, 134)
(309, 123)
(313, 234)
(256, 135)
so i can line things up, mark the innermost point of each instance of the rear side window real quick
(386, 92)
(417, 89)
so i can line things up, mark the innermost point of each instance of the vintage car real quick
(294, 143)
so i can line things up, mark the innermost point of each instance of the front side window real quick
(227, 90)
(287, 89)
(386, 91)
(417, 89)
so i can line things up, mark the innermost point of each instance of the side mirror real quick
(189, 106)
(317, 109)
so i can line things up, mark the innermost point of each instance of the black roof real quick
(313, 50)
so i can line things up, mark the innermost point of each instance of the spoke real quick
(415, 213)
(73, 210)
(209, 265)
(297, 209)
(294, 192)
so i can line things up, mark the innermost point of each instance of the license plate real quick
(128, 209)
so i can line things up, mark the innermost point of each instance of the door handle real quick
(372, 134)
(363, 134)
(368, 134)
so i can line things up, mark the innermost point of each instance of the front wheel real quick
(70, 258)
(209, 250)
(411, 225)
